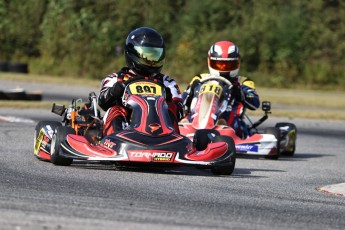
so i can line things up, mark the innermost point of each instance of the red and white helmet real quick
(224, 59)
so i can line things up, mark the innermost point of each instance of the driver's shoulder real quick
(204, 75)
(246, 81)
(243, 79)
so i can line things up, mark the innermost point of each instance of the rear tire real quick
(276, 132)
(227, 167)
(40, 125)
(55, 150)
(292, 133)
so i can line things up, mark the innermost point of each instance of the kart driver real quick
(224, 60)
(144, 53)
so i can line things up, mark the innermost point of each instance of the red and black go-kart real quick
(149, 140)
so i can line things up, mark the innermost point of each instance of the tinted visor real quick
(150, 56)
(224, 64)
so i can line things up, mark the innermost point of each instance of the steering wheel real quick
(222, 79)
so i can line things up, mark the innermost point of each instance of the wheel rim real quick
(52, 147)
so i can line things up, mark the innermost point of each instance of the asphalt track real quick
(261, 194)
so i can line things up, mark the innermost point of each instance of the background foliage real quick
(282, 43)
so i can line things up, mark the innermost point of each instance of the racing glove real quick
(189, 94)
(117, 90)
(251, 98)
(237, 92)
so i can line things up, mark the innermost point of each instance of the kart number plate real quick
(39, 141)
(146, 89)
(211, 88)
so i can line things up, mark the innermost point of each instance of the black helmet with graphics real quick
(145, 51)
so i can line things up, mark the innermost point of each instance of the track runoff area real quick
(334, 189)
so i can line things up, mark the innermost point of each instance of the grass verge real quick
(302, 103)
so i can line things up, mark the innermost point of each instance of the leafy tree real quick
(281, 44)
(19, 28)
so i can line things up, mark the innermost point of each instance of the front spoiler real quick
(147, 156)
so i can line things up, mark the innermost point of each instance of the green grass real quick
(305, 103)
(50, 79)
(307, 98)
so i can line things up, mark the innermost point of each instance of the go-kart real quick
(149, 139)
(211, 99)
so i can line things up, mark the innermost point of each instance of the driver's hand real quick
(238, 93)
(117, 90)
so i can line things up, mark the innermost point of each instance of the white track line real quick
(15, 119)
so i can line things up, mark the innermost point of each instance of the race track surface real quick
(261, 194)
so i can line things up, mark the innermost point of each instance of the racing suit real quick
(243, 95)
(117, 115)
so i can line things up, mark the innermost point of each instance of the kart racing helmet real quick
(224, 59)
(145, 51)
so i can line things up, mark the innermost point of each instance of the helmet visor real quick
(150, 56)
(224, 64)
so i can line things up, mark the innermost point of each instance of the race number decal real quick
(146, 89)
(211, 88)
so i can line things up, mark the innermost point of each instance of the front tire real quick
(227, 167)
(290, 136)
(55, 150)
(38, 127)
(202, 138)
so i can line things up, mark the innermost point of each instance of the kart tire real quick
(40, 125)
(15, 95)
(201, 138)
(34, 96)
(55, 151)
(292, 141)
(3, 66)
(20, 67)
(3, 96)
(228, 167)
(276, 132)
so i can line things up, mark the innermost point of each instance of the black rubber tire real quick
(15, 95)
(225, 168)
(58, 137)
(291, 127)
(3, 66)
(33, 96)
(40, 125)
(3, 96)
(201, 138)
(276, 132)
(19, 67)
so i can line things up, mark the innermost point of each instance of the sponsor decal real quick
(45, 142)
(189, 147)
(39, 140)
(109, 144)
(247, 148)
(154, 127)
(151, 155)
